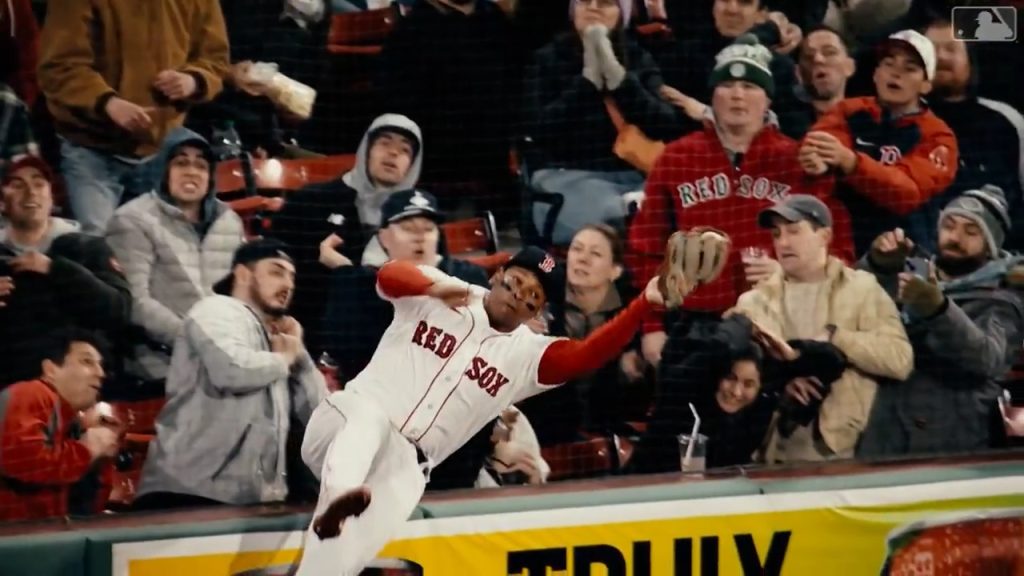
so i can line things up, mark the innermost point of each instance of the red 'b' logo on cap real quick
(547, 264)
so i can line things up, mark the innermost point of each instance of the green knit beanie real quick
(744, 59)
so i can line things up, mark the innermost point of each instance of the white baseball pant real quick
(350, 442)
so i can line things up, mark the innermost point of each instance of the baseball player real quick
(453, 358)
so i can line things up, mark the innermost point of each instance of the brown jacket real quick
(868, 330)
(92, 51)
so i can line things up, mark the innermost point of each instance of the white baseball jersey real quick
(442, 374)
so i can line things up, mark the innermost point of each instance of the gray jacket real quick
(223, 431)
(169, 263)
(948, 402)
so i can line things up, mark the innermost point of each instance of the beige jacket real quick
(868, 330)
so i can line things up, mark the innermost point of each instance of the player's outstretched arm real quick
(565, 360)
(402, 279)
(691, 258)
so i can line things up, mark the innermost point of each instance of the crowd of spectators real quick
(866, 162)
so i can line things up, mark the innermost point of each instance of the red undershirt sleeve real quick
(564, 360)
(400, 279)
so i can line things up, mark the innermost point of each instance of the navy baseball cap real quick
(247, 254)
(408, 203)
(795, 208)
(547, 268)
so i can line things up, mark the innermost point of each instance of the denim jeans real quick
(591, 197)
(97, 183)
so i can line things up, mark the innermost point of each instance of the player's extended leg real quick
(396, 484)
(341, 443)
(342, 440)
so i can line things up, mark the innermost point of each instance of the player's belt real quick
(422, 460)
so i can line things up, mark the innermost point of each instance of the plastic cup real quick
(697, 455)
(752, 253)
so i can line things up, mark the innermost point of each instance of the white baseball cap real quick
(919, 43)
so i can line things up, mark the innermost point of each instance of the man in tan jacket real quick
(815, 296)
(118, 76)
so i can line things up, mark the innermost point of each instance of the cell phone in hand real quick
(919, 266)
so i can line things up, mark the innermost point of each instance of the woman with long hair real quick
(731, 372)
(595, 292)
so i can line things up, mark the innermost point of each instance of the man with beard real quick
(890, 153)
(990, 133)
(238, 375)
(824, 67)
(964, 324)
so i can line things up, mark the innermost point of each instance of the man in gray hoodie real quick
(346, 212)
(173, 243)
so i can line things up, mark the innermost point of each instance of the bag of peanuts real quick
(264, 79)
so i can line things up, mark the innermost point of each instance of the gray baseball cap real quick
(795, 208)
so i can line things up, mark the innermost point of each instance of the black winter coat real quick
(85, 289)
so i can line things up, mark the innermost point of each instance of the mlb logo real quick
(985, 23)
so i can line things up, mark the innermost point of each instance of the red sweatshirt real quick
(898, 169)
(39, 460)
(695, 184)
(564, 359)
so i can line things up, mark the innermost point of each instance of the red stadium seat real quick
(360, 33)
(139, 417)
(472, 235)
(582, 459)
(288, 175)
(491, 262)
(253, 211)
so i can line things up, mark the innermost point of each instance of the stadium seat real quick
(490, 262)
(526, 158)
(139, 419)
(472, 235)
(583, 459)
(360, 32)
(253, 211)
(654, 30)
(275, 174)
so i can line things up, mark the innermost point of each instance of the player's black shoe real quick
(352, 503)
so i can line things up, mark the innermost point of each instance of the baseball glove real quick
(692, 258)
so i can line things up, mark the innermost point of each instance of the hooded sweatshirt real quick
(349, 207)
(369, 196)
(170, 262)
(697, 182)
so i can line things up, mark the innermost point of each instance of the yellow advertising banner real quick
(963, 528)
